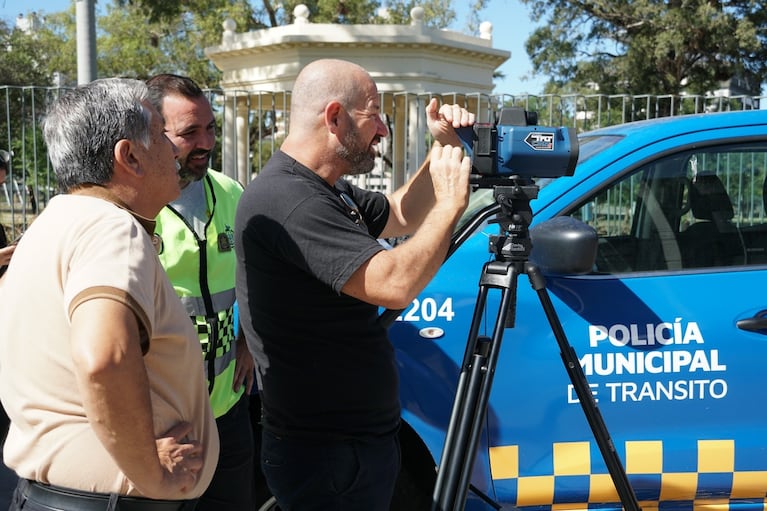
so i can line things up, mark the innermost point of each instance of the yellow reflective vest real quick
(202, 272)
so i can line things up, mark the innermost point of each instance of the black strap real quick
(213, 337)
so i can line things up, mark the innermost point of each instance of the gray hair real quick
(82, 127)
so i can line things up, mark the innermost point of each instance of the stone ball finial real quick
(486, 30)
(229, 27)
(301, 14)
(416, 16)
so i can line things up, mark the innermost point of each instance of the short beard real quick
(187, 174)
(360, 161)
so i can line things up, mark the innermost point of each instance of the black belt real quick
(68, 499)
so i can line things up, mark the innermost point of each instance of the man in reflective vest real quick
(196, 247)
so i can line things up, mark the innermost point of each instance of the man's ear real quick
(125, 157)
(333, 111)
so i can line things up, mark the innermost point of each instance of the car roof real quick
(632, 136)
(681, 124)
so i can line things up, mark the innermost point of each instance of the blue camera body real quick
(516, 146)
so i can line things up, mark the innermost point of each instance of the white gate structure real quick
(409, 63)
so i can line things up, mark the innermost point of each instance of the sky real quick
(499, 12)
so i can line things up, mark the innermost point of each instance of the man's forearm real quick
(410, 203)
(113, 381)
(415, 262)
(117, 404)
(392, 278)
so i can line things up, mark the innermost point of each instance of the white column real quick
(243, 141)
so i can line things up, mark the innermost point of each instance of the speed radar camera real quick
(516, 146)
(507, 156)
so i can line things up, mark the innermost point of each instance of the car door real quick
(667, 328)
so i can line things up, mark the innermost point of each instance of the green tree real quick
(25, 59)
(58, 35)
(138, 38)
(268, 13)
(135, 44)
(648, 46)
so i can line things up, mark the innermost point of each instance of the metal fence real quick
(253, 124)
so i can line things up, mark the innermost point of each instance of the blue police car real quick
(669, 325)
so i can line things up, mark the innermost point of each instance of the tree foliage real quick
(138, 38)
(648, 46)
(268, 13)
(132, 43)
(25, 60)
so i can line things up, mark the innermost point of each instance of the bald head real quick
(322, 82)
(335, 121)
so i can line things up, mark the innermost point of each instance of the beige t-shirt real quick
(77, 246)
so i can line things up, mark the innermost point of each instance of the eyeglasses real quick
(352, 209)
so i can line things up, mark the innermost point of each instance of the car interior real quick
(699, 209)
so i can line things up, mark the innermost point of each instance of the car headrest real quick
(709, 199)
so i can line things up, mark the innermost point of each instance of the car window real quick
(479, 199)
(697, 209)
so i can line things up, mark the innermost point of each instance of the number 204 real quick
(428, 309)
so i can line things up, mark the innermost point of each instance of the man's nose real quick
(207, 141)
(383, 130)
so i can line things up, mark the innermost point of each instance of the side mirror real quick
(563, 245)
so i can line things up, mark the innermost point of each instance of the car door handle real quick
(758, 324)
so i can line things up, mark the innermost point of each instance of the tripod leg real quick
(444, 485)
(470, 405)
(590, 409)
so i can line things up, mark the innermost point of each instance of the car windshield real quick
(592, 144)
(478, 200)
(481, 198)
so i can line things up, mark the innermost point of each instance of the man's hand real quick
(436, 197)
(6, 253)
(112, 379)
(244, 366)
(444, 120)
(180, 458)
(450, 170)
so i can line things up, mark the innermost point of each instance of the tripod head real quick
(514, 196)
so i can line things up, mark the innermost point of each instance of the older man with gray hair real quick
(100, 368)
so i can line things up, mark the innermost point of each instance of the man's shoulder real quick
(279, 192)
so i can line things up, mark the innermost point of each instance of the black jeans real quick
(232, 486)
(8, 477)
(331, 475)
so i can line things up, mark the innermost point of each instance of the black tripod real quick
(511, 249)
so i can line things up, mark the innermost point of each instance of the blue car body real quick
(667, 328)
